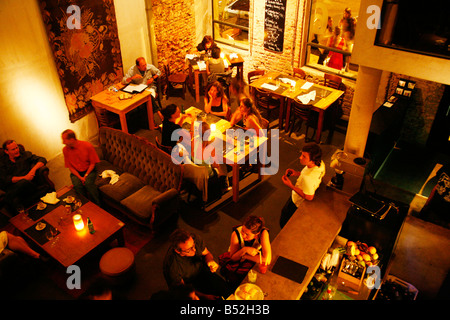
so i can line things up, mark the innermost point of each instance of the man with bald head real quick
(144, 73)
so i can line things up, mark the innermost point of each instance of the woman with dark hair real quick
(172, 121)
(206, 45)
(216, 102)
(249, 244)
(215, 64)
(248, 116)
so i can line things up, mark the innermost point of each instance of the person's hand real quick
(213, 266)
(150, 81)
(29, 176)
(83, 180)
(251, 251)
(136, 76)
(286, 181)
(289, 172)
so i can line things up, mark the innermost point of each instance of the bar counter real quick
(305, 239)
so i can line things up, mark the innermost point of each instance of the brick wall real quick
(174, 26)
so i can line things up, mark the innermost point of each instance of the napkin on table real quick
(307, 97)
(50, 198)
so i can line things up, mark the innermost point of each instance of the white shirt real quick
(309, 180)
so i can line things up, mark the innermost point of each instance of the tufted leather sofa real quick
(149, 182)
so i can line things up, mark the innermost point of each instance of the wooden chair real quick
(164, 148)
(301, 113)
(106, 118)
(175, 82)
(252, 76)
(332, 81)
(264, 100)
(299, 73)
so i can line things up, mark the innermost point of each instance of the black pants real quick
(287, 211)
(211, 283)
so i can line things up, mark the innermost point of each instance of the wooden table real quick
(195, 72)
(320, 104)
(110, 101)
(71, 245)
(234, 157)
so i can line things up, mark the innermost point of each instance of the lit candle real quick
(78, 222)
(213, 127)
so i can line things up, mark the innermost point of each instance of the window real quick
(332, 28)
(230, 22)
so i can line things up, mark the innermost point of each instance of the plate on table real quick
(40, 226)
(249, 291)
(41, 206)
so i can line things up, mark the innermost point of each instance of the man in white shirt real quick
(308, 180)
(143, 73)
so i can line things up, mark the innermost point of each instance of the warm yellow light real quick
(213, 127)
(78, 222)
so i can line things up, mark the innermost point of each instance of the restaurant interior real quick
(402, 138)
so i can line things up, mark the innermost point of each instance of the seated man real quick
(80, 157)
(188, 261)
(18, 176)
(143, 73)
(308, 180)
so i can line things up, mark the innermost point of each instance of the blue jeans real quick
(88, 189)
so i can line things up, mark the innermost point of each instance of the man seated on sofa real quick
(18, 175)
(80, 157)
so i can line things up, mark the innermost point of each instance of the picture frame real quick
(407, 93)
(402, 83)
(399, 91)
(411, 85)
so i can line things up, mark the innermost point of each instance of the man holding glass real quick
(188, 261)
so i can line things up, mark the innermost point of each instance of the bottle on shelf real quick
(329, 294)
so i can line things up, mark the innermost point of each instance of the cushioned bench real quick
(149, 182)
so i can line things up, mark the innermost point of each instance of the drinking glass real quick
(51, 234)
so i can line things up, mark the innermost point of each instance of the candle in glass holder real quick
(78, 222)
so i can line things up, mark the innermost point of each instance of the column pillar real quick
(363, 106)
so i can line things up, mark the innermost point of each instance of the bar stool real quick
(117, 264)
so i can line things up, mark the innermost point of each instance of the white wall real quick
(33, 111)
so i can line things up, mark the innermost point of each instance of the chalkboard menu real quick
(274, 25)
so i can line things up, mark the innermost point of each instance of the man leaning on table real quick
(80, 157)
(143, 73)
(307, 182)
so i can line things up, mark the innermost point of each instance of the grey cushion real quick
(140, 203)
(127, 185)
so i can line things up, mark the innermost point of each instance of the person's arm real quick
(266, 250)
(299, 191)
(224, 108)
(208, 103)
(236, 117)
(30, 175)
(252, 123)
(236, 252)
(209, 259)
(130, 76)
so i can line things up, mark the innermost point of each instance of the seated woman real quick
(215, 64)
(216, 102)
(172, 121)
(206, 45)
(215, 167)
(247, 116)
(249, 244)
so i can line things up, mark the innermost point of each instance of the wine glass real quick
(51, 234)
